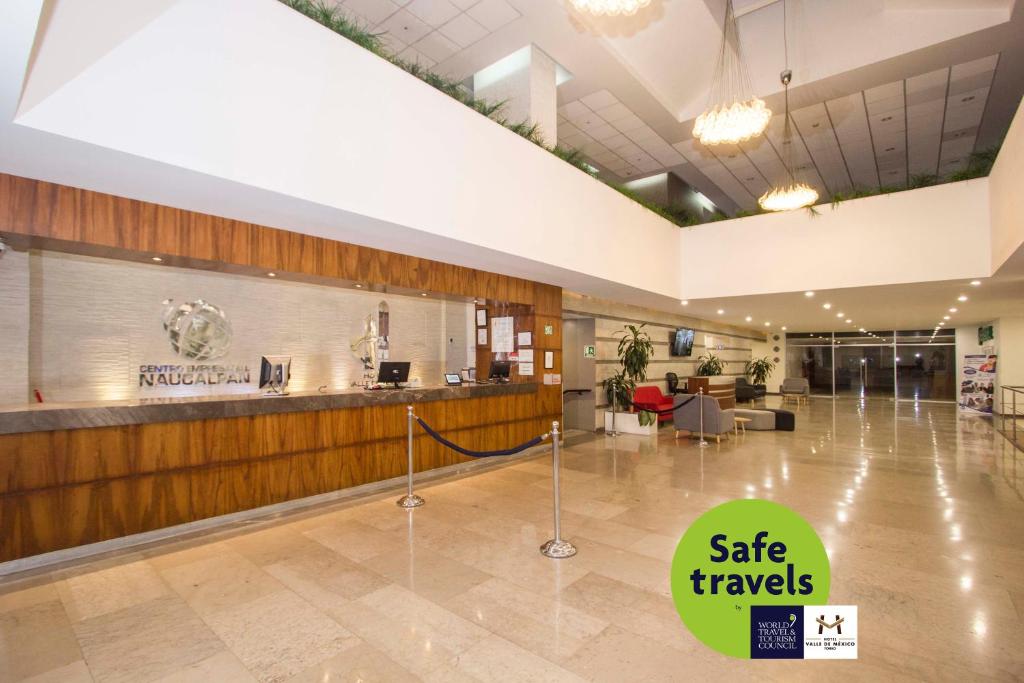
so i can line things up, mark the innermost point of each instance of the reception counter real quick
(73, 474)
(42, 417)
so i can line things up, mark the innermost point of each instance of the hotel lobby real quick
(462, 340)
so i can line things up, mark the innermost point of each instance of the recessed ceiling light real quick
(954, 309)
(941, 324)
(767, 324)
(976, 283)
(826, 306)
(848, 321)
(748, 318)
(721, 311)
(840, 315)
(962, 297)
(945, 317)
(863, 330)
(685, 302)
(808, 294)
(783, 328)
(157, 259)
(271, 274)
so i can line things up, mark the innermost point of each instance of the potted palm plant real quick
(759, 369)
(709, 365)
(635, 351)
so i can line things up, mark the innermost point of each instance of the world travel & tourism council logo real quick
(750, 578)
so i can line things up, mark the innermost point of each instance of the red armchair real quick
(651, 398)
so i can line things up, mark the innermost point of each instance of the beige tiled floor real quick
(921, 512)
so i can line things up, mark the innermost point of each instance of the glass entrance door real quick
(905, 365)
(864, 371)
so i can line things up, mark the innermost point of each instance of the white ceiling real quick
(883, 89)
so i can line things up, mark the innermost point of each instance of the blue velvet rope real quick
(479, 454)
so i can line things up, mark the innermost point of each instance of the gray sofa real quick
(760, 420)
(716, 420)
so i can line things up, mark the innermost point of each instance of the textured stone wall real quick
(95, 321)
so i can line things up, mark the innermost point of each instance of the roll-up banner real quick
(978, 384)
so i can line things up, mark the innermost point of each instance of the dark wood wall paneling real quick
(66, 488)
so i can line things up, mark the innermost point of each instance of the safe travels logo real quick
(751, 579)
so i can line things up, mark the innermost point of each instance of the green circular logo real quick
(743, 553)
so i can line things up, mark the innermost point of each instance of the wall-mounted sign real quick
(551, 378)
(590, 351)
(502, 335)
(192, 375)
(525, 339)
(549, 329)
(985, 334)
(549, 360)
(197, 329)
(481, 317)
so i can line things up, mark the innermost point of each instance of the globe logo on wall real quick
(197, 330)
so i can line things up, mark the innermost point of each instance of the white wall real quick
(1008, 345)
(253, 92)
(933, 233)
(1010, 367)
(1006, 195)
(767, 348)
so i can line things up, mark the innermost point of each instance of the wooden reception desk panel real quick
(64, 488)
(67, 487)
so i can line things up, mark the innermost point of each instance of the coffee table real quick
(740, 423)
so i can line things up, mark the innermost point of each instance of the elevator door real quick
(579, 374)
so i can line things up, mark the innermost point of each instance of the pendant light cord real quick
(787, 130)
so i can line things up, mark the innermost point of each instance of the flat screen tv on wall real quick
(681, 343)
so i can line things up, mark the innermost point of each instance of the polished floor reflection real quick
(921, 512)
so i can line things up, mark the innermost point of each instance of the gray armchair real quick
(716, 420)
(797, 388)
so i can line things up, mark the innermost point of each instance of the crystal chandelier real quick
(793, 194)
(610, 7)
(734, 114)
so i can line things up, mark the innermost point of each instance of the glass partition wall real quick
(902, 364)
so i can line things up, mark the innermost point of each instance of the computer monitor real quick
(393, 372)
(500, 370)
(275, 372)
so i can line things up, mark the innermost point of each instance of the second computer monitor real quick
(393, 372)
(500, 370)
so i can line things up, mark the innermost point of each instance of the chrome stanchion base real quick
(558, 549)
(410, 502)
(703, 444)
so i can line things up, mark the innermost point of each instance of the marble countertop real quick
(43, 417)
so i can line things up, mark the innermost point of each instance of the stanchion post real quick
(700, 397)
(615, 405)
(557, 548)
(409, 500)
(1014, 394)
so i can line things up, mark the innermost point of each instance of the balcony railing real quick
(1011, 410)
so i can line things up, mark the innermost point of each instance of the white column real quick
(527, 81)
